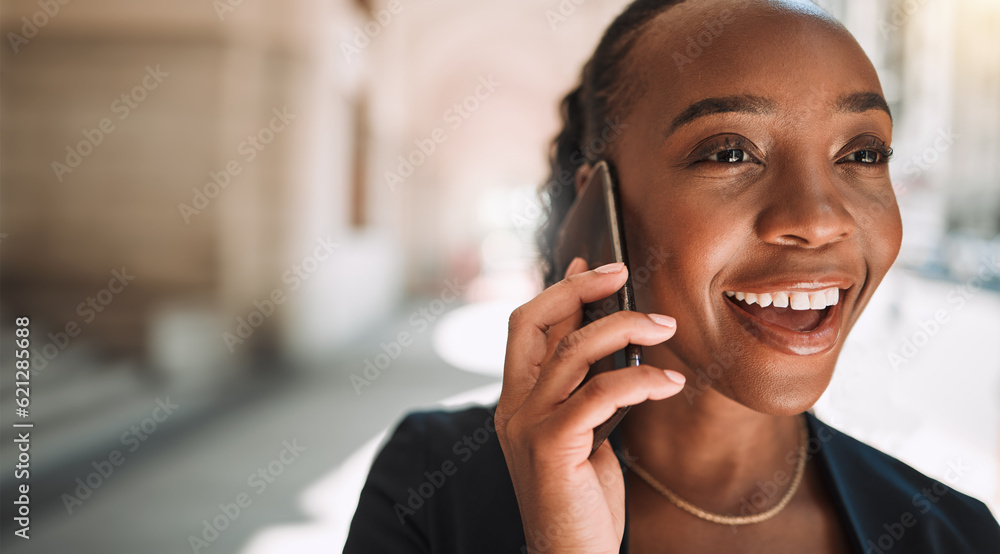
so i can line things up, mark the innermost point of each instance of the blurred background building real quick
(299, 220)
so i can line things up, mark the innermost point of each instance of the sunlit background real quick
(251, 235)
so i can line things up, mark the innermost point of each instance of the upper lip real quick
(794, 283)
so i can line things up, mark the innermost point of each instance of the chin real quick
(777, 389)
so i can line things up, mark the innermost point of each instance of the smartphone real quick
(594, 230)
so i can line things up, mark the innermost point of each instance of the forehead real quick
(699, 50)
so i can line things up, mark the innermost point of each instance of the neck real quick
(711, 450)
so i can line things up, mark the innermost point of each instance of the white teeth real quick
(832, 296)
(797, 300)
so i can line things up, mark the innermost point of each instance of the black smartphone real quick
(594, 230)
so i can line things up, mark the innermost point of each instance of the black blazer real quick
(441, 485)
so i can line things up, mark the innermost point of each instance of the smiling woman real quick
(757, 164)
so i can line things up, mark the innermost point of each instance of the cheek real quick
(676, 250)
(883, 232)
(893, 231)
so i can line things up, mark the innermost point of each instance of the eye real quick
(725, 150)
(866, 157)
(871, 151)
(730, 156)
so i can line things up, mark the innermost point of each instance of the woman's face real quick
(753, 161)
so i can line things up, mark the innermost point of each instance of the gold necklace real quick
(733, 520)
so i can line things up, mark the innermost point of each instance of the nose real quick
(805, 209)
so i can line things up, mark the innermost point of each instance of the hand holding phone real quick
(546, 419)
(594, 230)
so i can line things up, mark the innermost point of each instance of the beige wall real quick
(119, 207)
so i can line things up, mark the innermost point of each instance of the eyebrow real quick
(860, 102)
(727, 104)
(856, 102)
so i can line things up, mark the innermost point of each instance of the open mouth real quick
(796, 311)
(795, 322)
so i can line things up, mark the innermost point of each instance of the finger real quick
(527, 339)
(519, 377)
(577, 351)
(529, 323)
(600, 397)
(578, 265)
(571, 323)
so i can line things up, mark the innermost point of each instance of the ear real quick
(582, 174)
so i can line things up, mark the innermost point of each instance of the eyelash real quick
(876, 145)
(738, 143)
(723, 145)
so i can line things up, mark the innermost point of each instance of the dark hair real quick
(603, 93)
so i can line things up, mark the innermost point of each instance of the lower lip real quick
(807, 343)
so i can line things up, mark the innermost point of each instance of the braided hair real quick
(603, 93)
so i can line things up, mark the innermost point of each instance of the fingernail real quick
(674, 376)
(610, 268)
(663, 320)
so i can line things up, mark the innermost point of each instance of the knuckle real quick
(632, 325)
(650, 373)
(565, 281)
(568, 284)
(598, 386)
(634, 320)
(515, 318)
(623, 319)
(619, 325)
(568, 346)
